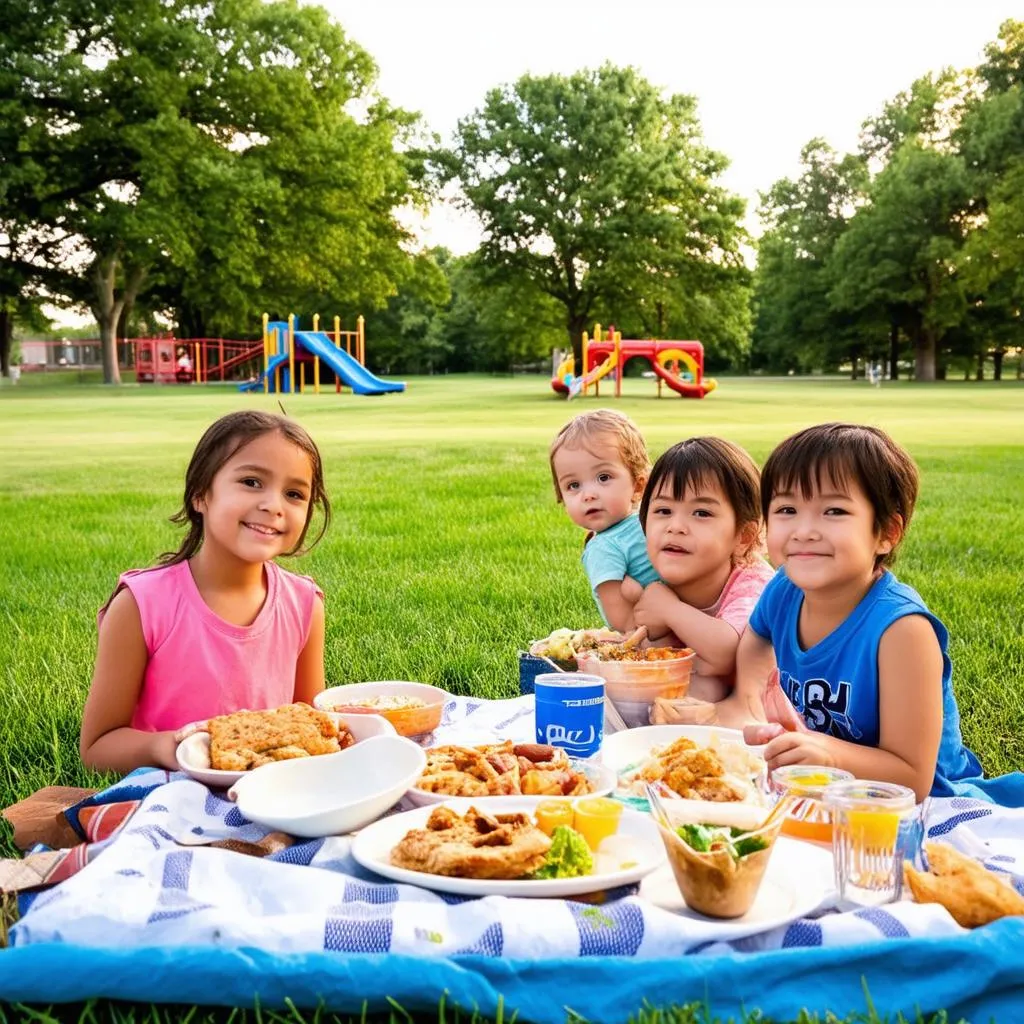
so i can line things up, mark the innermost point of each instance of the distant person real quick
(15, 371)
(183, 369)
(217, 626)
(599, 464)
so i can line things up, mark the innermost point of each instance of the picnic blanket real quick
(305, 922)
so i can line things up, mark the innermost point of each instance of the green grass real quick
(448, 551)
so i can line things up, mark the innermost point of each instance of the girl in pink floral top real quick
(701, 514)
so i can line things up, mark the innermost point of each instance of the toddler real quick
(599, 465)
(218, 626)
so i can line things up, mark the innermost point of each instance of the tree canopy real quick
(600, 192)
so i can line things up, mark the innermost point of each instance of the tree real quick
(598, 191)
(797, 327)
(163, 142)
(898, 258)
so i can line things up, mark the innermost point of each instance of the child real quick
(701, 512)
(858, 654)
(599, 465)
(217, 626)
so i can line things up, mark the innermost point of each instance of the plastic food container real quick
(632, 686)
(412, 708)
(810, 819)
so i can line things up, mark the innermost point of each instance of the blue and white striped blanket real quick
(156, 884)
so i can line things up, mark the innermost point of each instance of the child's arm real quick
(617, 607)
(755, 661)
(309, 669)
(107, 741)
(909, 714)
(714, 640)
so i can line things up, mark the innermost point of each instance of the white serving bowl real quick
(193, 752)
(333, 793)
(408, 721)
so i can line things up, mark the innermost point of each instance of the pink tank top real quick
(199, 665)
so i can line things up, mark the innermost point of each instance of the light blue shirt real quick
(615, 553)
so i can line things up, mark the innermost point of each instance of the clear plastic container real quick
(632, 686)
(875, 826)
(809, 819)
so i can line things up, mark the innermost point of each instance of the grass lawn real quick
(447, 551)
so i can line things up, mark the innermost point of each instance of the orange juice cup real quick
(552, 813)
(596, 818)
(810, 819)
(874, 827)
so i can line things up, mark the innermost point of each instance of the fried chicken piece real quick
(248, 739)
(474, 845)
(971, 893)
(720, 791)
(659, 766)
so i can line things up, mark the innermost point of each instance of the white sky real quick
(768, 76)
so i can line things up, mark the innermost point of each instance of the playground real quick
(679, 365)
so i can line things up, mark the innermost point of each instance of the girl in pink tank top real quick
(217, 626)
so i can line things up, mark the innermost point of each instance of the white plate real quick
(602, 780)
(193, 752)
(372, 848)
(331, 794)
(631, 747)
(796, 882)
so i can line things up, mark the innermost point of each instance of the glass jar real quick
(875, 826)
(809, 819)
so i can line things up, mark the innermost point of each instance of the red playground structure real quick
(179, 361)
(677, 364)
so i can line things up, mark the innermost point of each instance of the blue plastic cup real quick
(570, 712)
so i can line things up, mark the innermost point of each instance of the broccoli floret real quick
(569, 856)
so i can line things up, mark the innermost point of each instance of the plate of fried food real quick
(507, 769)
(225, 748)
(497, 847)
(686, 762)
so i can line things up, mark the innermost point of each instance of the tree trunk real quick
(577, 324)
(924, 355)
(894, 351)
(108, 307)
(979, 372)
(854, 363)
(997, 363)
(6, 333)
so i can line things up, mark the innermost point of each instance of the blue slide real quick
(349, 370)
(257, 384)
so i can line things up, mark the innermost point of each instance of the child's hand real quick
(631, 590)
(653, 609)
(799, 748)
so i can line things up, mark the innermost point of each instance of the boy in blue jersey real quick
(856, 653)
(599, 464)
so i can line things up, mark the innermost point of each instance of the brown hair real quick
(222, 439)
(589, 427)
(710, 460)
(842, 452)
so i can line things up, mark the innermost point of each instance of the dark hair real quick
(709, 460)
(220, 442)
(842, 452)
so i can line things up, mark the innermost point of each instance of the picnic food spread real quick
(502, 769)
(249, 739)
(724, 773)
